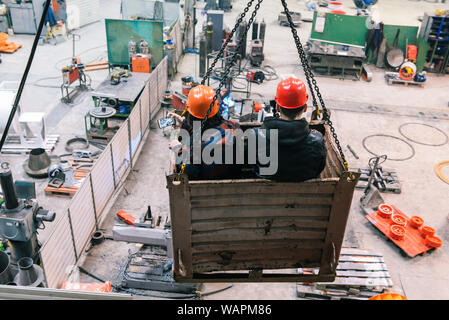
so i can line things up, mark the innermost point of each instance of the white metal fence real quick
(71, 235)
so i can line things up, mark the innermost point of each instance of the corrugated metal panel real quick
(102, 181)
(162, 77)
(82, 12)
(145, 107)
(82, 215)
(135, 127)
(57, 253)
(120, 151)
(153, 92)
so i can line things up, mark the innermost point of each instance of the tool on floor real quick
(255, 76)
(371, 196)
(353, 152)
(20, 219)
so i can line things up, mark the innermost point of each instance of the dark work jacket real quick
(302, 152)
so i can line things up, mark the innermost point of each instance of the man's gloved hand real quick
(178, 119)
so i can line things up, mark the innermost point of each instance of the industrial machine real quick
(96, 122)
(20, 219)
(256, 56)
(335, 60)
(139, 60)
(76, 72)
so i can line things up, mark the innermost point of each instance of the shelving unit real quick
(435, 31)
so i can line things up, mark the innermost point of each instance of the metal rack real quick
(435, 31)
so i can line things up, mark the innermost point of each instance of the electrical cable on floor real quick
(197, 295)
(446, 138)
(413, 152)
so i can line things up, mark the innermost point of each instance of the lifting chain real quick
(311, 81)
(234, 57)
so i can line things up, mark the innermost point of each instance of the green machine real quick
(120, 32)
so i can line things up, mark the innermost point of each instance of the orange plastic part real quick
(388, 296)
(398, 220)
(397, 232)
(125, 216)
(416, 222)
(385, 211)
(90, 287)
(427, 231)
(434, 242)
(8, 47)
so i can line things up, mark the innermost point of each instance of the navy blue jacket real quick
(302, 152)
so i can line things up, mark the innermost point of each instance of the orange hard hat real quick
(291, 94)
(388, 296)
(199, 100)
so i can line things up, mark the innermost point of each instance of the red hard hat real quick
(291, 94)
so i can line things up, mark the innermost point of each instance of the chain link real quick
(234, 57)
(313, 84)
(228, 40)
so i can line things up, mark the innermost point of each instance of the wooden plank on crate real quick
(255, 234)
(249, 264)
(256, 245)
(227, 257)
(257, 223)
(260, 211)
(337, 222)
(250, 188)
(259, 200)
(179, 202)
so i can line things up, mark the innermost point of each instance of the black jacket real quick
(302, 152)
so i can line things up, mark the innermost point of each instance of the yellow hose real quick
(439, 168)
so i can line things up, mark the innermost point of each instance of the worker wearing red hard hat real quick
(301, 151)
(198, 109)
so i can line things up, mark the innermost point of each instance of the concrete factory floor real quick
(359, 109)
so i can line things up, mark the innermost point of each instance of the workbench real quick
(335, 60)
(125, 94)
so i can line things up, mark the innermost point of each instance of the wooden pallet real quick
(361, 274)
(65, 192)
(389, 178)
(413, 243)
(406, 83)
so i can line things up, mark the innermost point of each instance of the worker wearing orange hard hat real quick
(198, 108)
(301, 150)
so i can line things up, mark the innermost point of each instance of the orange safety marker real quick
(126, 217)
(409, 238)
